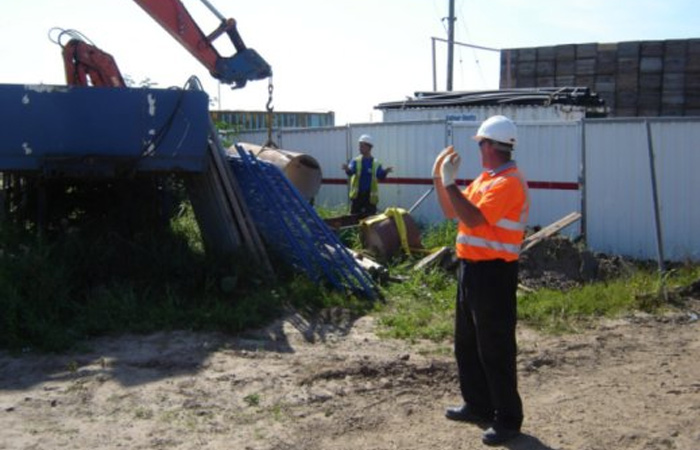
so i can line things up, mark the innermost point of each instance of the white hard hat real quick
(366, 139)
(499, 129)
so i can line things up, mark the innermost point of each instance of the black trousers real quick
(361, 205)
(485, 343)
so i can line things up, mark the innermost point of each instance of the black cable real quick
(150, 148)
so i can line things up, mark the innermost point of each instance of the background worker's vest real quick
(502, 239)
(355, 181)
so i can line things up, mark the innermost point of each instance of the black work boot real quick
(465, 414)
(497, 435)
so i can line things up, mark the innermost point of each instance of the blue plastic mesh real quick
(290, 226)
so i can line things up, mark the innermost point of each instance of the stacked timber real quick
(640, 78)
(221, 210)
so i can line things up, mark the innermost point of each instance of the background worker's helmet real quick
(499, 129)
(366, 139)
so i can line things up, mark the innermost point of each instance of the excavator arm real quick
(245, 65)
(86, 65)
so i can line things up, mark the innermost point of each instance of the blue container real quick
(62, 130)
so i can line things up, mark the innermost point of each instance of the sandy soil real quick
(632, 383)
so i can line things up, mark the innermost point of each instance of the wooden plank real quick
(586, 51)
(527, 54)
(216, 223)
(220, 208)
(651, 64)
(565, 52)
(652, 48)
(585, 66)
(544, 69)
(377, 271)
(545, 54)
(564, 68)
(433, 259)
(236, 202)
(628, 49)
(340, 222)
(525, 69)
(549, 230)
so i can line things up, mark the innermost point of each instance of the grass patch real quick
(55, 293)
(443, 234)
(558, 311)
(421, 307)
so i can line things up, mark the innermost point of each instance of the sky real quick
(345, 56)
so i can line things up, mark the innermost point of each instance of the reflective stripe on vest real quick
(355, 181)
(491, 245)
(508, 229)
(510, 225)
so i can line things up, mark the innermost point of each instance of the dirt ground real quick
(332, 384)
(632, 383)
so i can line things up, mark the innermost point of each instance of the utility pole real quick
(450, 44)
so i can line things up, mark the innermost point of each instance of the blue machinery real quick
(87, 132)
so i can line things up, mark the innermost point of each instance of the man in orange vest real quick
(364, 172)
(492, 214)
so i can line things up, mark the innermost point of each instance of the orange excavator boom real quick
(245, 65)
(87, 65)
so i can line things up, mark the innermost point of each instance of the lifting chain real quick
(270, 117)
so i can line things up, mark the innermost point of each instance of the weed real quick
(440, 235)
(420, 307)
(252, 399)
(143, 413)
(277, 412)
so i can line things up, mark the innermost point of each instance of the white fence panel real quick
(677, 156)
(255, 137)
(550, 157)
(619, 207)
(619, 191)
(618, 196)
(329, 147)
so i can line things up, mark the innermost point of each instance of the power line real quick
(477, 62)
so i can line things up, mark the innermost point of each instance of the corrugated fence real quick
(601, 168)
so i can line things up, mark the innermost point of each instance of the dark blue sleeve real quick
(351, 168)
(381, 173)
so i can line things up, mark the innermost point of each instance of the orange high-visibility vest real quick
(503, 199)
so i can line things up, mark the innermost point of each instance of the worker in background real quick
(492, 213)
(364, 172)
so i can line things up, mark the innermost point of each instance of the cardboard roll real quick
(302, 170)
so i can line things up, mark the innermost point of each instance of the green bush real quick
(55, 293)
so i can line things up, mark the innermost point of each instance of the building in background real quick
(640, 78)
(527, 104)
(257, 120)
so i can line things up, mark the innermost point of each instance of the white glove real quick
(448, 170)
(437, 165)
